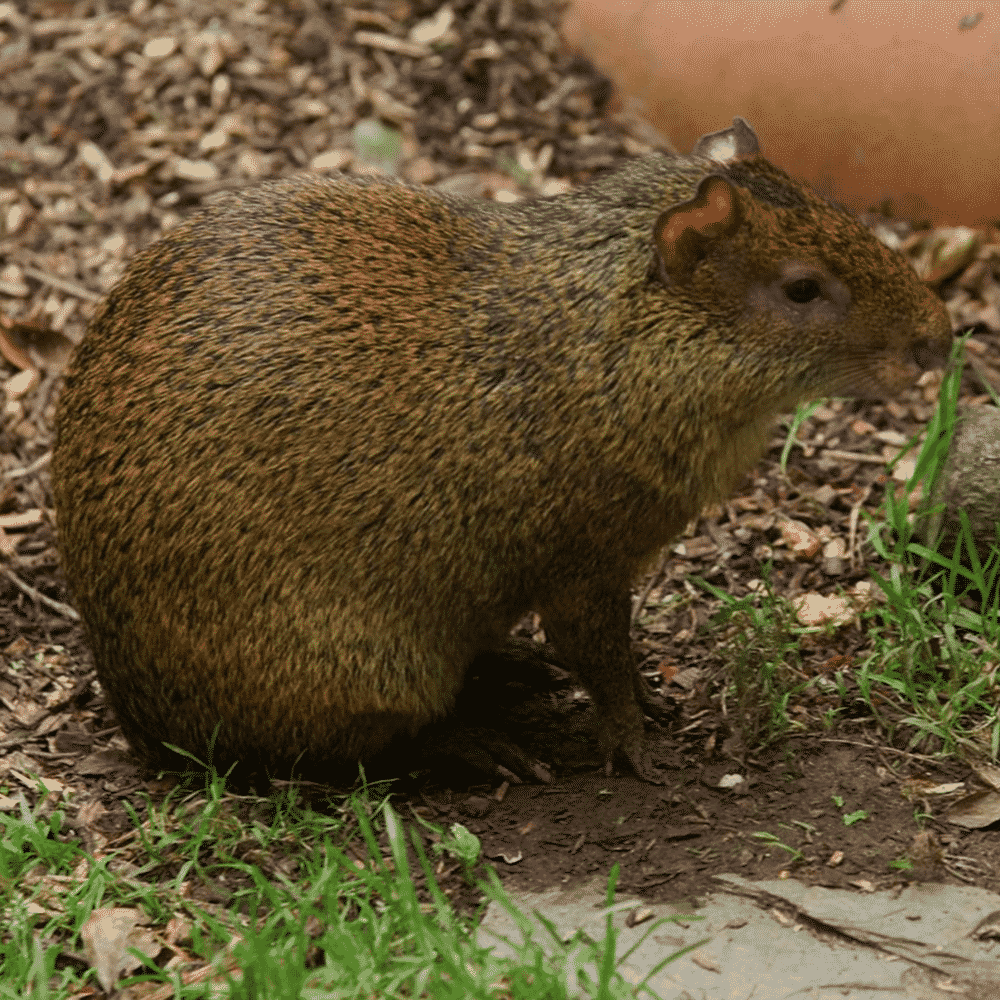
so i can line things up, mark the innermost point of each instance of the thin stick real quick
(653, 580)
(63, 609)
(27, 470)
(61, 283)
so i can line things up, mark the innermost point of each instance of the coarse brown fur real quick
(330, 439)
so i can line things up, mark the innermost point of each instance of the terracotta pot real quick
(871, 101)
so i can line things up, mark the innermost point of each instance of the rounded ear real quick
(684, 234)
(733, 143)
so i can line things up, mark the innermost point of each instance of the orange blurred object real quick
(868, 101)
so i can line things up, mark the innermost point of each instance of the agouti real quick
(329, 440)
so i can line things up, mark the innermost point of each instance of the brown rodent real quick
(330, 439)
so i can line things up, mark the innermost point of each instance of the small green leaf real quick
(462, 844)
(377, 143)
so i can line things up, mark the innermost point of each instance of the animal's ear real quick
(684, 234)
(734, 143)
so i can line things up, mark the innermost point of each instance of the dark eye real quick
(803, 290)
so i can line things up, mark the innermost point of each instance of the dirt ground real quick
(118, 119)
(671, 841)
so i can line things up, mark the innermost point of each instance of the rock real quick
(970, 481)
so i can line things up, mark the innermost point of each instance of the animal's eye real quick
(803, 290)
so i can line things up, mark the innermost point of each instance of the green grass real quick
(929, 671)
(763, 663)
(936, 635)
(336, 904)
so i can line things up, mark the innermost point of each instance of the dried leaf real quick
(975, 811)
(817, 609)
(107, 935)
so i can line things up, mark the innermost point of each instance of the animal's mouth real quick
(890, 369)
(883, 382)
(931, 353)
